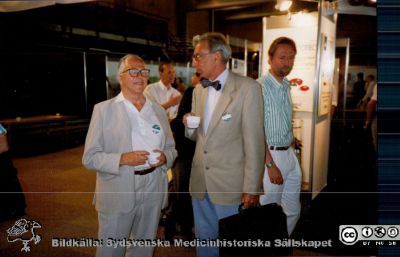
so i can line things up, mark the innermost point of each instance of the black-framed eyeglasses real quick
(136, 72)
(198, 57)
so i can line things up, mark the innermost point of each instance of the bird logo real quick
(23, 230)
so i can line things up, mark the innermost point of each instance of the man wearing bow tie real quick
(229, 157)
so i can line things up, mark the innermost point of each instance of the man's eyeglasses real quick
(197, 57)
(136, 72)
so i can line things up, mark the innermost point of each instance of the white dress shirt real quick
(212, 98)
(147, 133)
(160, 93)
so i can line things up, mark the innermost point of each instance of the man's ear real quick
(218, 56)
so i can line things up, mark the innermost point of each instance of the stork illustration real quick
(23, 230)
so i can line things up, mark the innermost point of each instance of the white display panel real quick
(238, 66)
(327, 64)
(321, 156)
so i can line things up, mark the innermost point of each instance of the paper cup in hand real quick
(153, 158)
(193, 121)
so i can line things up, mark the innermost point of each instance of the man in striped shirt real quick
(282, 176)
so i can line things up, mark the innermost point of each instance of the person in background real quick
(282, 177)
(11, 197)
(230, 148)
(162, 91)
(372, 118)
(358, 90)
(369, 88)
(125, 136)
(181, 206)
(179, 85)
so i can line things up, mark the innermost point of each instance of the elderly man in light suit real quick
(130, 191)
(228, 163)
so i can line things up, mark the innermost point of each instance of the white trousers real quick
(140, 223)
(288, 194)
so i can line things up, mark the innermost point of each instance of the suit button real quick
(205, 152)
(207, 168)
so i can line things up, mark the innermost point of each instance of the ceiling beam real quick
(243, 16)
(265, 10)
(218, 4)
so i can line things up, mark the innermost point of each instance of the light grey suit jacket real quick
(229, 160)
(109, 136)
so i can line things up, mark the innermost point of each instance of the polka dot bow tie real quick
(207, 83)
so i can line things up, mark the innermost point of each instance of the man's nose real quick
(286, 62)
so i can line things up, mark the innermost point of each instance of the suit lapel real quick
(123, 123)
(223, 102)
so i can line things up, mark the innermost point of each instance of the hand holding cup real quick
(193, 121)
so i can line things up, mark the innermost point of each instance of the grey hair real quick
(121, 64)
(196, 40)
(216, 43)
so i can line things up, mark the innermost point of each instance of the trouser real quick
(140, 223)
(287, 194)
(182, 205)
(206, 218)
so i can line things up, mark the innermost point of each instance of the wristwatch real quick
(269, 165)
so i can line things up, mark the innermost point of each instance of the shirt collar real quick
(120, 98)
(163, 86)
(223, 77)
(277, 84)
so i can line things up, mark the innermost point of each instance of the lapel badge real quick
(226, 116)
(156, 129)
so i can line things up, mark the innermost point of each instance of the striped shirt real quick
(277, 110)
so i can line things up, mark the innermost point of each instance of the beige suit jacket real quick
(109, 136)
(229, 159)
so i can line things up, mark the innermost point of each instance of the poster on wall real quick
(327, 66)
(238, 66)
(302, 76)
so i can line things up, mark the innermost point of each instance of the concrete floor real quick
(59, 191)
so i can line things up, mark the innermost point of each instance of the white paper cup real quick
(152, 159)
(193, 121)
